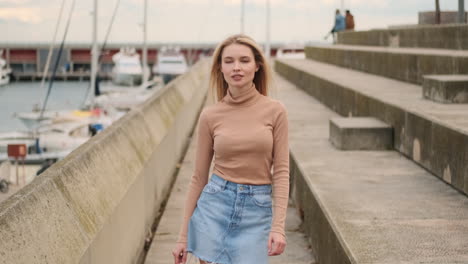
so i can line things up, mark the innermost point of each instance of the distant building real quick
(27, 60)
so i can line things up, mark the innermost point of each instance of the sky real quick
(201, 21)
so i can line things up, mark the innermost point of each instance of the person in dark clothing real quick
(349, 20)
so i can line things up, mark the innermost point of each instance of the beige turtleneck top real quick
(248, 135)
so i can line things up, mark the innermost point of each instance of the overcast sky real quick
(196, 21)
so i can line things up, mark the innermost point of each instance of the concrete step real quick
(405, 64)
(446, 88)
(297, 250)
(372, 207)
(431, 134)
(454, 36)
(360, 133)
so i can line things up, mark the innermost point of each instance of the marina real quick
(109, 126)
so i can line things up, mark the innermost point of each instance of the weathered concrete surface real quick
(97, 205)
(446, 88)
(453, 36)
(297, 250)
(406, 64)
(433, 135)
(373, 207)
(360, 133)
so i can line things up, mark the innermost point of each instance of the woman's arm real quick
(204, 155)
(280, 170)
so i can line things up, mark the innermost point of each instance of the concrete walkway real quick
(297, 251)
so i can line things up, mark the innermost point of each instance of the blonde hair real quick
(262, 77)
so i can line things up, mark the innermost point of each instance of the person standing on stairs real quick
(231, 218)
(349, 20)
(339, 25)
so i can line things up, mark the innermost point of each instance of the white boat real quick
(4, 71)
(50, 141)
(126, 99)
(33, 120)
(127, 68)
(170, 63)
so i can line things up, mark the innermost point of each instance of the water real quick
(22, 96)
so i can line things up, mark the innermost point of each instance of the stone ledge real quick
(446, 88)
(453, 36)
(360, 133)
(405, 64)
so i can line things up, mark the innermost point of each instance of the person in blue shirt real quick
(339, 25)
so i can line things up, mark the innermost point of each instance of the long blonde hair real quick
(262, 77)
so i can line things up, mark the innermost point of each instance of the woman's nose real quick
(236, 65)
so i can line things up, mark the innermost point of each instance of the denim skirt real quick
(231, 223)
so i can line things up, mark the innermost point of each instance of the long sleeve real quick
(280, 171)
(204, 155)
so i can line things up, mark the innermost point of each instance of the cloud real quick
(25, 15)
(14, 2)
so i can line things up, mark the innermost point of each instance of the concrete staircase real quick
(380, 206)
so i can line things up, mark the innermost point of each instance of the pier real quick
(118, 198)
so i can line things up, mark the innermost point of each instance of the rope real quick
(51, 47)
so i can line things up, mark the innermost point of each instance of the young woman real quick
(230, 219)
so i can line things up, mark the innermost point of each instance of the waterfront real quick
(22, 96)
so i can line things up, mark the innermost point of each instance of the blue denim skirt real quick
(231, 223)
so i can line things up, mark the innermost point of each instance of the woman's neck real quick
(236, 91)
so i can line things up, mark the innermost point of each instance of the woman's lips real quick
(237, 77)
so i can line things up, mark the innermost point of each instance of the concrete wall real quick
(435, 146)
(446, 17)
(327, 244)
(98, 204)
(402, 65)
(453, 36)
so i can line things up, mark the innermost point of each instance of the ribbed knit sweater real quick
(248, 136)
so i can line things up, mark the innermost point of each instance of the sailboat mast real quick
(145, 48)
(267, 40)
(94, 54)
(242, 17)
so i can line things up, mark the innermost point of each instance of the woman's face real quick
(238, 65)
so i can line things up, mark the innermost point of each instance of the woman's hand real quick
(276, 244)
(179, 253)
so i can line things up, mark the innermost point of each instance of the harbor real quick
(99, 134)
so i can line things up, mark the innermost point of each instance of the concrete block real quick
(408, 65)
(446, 88)
(360, 133)
(452, 36)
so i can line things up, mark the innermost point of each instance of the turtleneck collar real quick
(245, 98)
